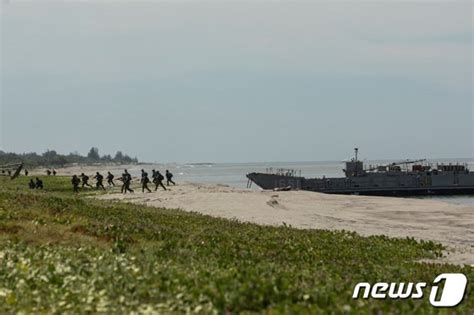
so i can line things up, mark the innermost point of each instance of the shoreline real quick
(430, 220)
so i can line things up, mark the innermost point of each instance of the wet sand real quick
(449, 224)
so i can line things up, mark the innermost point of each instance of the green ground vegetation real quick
(67, 253)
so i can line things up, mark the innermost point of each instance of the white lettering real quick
(378, 289)
(365, 286)
(419, 290)
(450, 295)
(400, 294)
(454, 289)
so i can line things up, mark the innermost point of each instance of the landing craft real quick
(417, 177)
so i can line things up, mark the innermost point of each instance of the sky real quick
(238, 81)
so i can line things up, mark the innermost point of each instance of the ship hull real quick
(408, 192)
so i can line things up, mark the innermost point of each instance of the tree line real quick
(51, 158)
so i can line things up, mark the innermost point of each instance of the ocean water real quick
(233, 174)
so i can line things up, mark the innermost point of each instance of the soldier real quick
(145, 180)
(154, 177)
(54, 172)
(159, 180)
(169, 178)
(26, 172)
(48, 172)
(123, 183)
(127, 180)
(85, 180)
(39, 183)
(100, 180)
(127, 183)
(123, 179)
(127, 174)
(31, 184)
(110, 179)
(75, 183)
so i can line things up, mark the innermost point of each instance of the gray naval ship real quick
(406, 178)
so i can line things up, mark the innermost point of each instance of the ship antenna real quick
(356, 152)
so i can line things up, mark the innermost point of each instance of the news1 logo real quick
(450, 295)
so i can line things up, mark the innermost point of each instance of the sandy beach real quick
(449, 224)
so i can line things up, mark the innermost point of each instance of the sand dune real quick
(450, 224)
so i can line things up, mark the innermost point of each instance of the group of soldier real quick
(50, 172)
(126, 179)
(158, 179)
(35, 184)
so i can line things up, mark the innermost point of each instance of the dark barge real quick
(418, 178)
